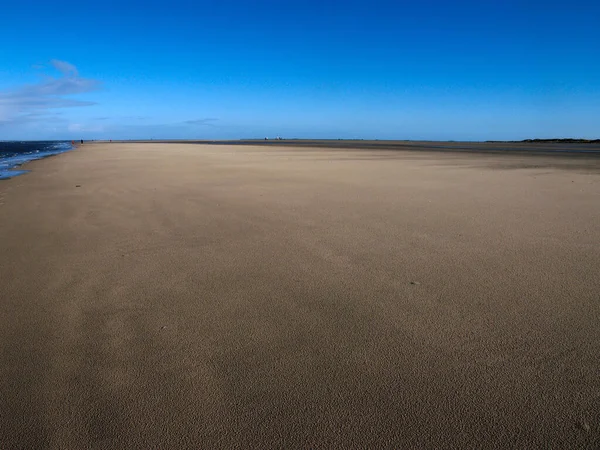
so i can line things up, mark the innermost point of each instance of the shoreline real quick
(17, 169)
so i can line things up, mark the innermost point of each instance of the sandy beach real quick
(213, 296)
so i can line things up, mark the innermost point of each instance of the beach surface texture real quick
(173, 295)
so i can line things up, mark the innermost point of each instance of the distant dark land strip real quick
(591, 149)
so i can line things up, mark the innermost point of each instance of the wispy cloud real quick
(67, 69)
(35, 100)
(136, 117)
(206, 121)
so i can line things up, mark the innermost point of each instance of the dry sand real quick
(195, 296)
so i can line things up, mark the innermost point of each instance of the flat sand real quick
(198, 296)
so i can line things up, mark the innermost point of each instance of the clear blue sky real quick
(429, 69)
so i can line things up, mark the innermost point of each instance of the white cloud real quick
(32, 101)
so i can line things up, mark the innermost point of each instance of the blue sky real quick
(429, 69)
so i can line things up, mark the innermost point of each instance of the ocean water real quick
(15, 153)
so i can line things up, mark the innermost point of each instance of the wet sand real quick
(219, 296)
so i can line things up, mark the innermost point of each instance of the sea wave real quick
(16, 153)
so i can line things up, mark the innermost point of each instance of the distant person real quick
(82, 141)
